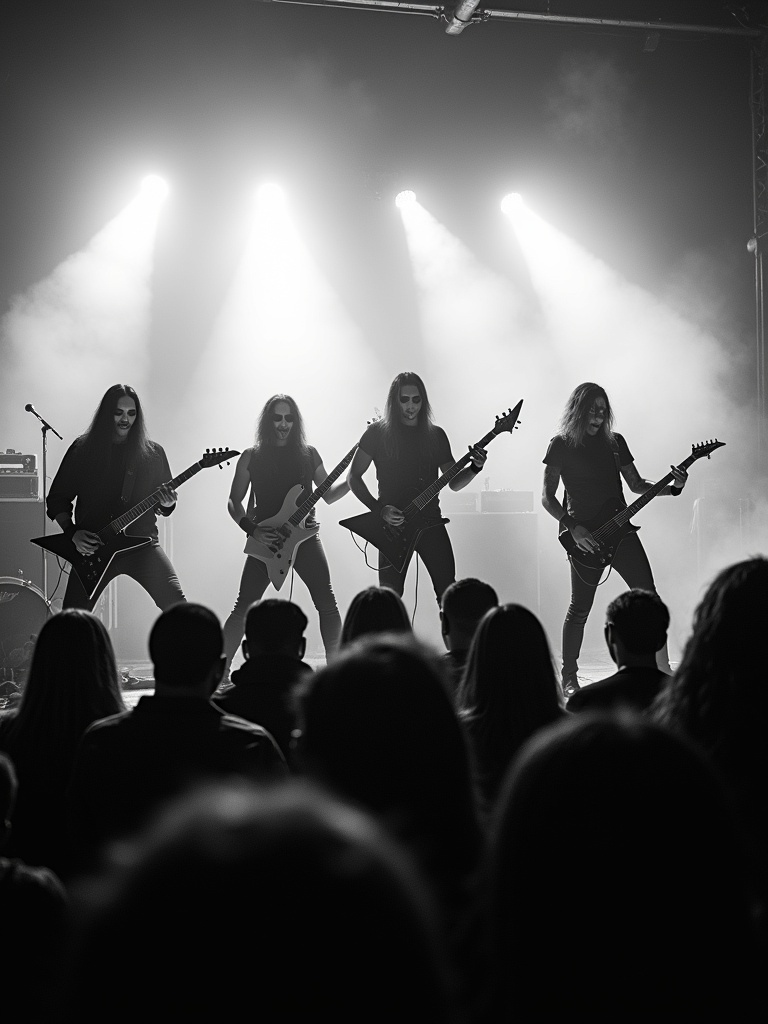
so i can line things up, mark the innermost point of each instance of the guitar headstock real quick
(508, 420)
(213, 457)
(375, 418)
(705, 448)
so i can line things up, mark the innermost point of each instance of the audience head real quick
(72, 682)
(462, 606)
(322, 914)
(379, 727)
(508, 690)
(275, 626)
(186, 645)
(636, 624)
(717, 695)
(8, 789)
(641, 826)
(374, 610)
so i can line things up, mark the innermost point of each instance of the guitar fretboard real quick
(304, 509)
(623, 517)
(434, 489)
(119, 524)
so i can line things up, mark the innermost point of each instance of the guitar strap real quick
(129, 481)
(615, 449)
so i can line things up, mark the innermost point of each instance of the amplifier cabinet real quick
(19, 487)
(501, 549)
(19, 522)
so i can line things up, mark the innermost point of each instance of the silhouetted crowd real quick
(401, 835)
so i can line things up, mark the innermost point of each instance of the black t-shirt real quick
(274, 471)
(589, 473)
(402, 479)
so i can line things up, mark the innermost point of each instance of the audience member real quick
(379, 729)
(508, 690)
(263, 688)
(72, 682)
(314, 912)
(717, 697)
(128, 764)
(378, 726)
(33, 914)
(462, 606)
(636, 624)
(374, 610)
(653, 920)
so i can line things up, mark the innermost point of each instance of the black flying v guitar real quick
(397, 543)
(612, 523)
(90, 569)
(289, 526)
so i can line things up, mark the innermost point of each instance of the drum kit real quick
(23, 610)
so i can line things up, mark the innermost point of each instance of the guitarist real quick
(280, 459)
(590, 459)
(409, 453)
(110, 467)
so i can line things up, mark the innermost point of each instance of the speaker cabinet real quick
(19, 522)
(502, 549)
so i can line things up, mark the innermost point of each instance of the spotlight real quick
(511, 202)
(752, 245)
(154, 187)
(406, 198)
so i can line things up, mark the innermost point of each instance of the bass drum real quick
(23, 610)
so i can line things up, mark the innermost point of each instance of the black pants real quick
(149, 566)
(312, 566)
(631, 563)
(436, 552)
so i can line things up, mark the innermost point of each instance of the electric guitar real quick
(397, 543)
(289, 525)
(90, 569)
(612, 523)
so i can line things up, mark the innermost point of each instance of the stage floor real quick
(140, 681)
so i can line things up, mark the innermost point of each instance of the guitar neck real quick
(303, 510)
(119, 524)
(434, 489)
(626, 514)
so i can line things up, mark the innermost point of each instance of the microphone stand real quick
(44, 429)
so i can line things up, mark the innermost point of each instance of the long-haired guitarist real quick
(409, 452)
(590, 459)
(113, 465)
(279, 460)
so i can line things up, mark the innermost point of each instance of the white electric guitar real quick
(289, 526)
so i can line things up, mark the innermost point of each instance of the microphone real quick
(46, 426)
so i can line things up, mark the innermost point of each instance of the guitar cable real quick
(610, 568)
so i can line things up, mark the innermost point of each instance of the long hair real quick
(717, 695)
(374, 610)
(508, 690)
(379, 727)
(72, 682)
(573, 422)
(96, 442)
(396, 434)
(265, 429)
